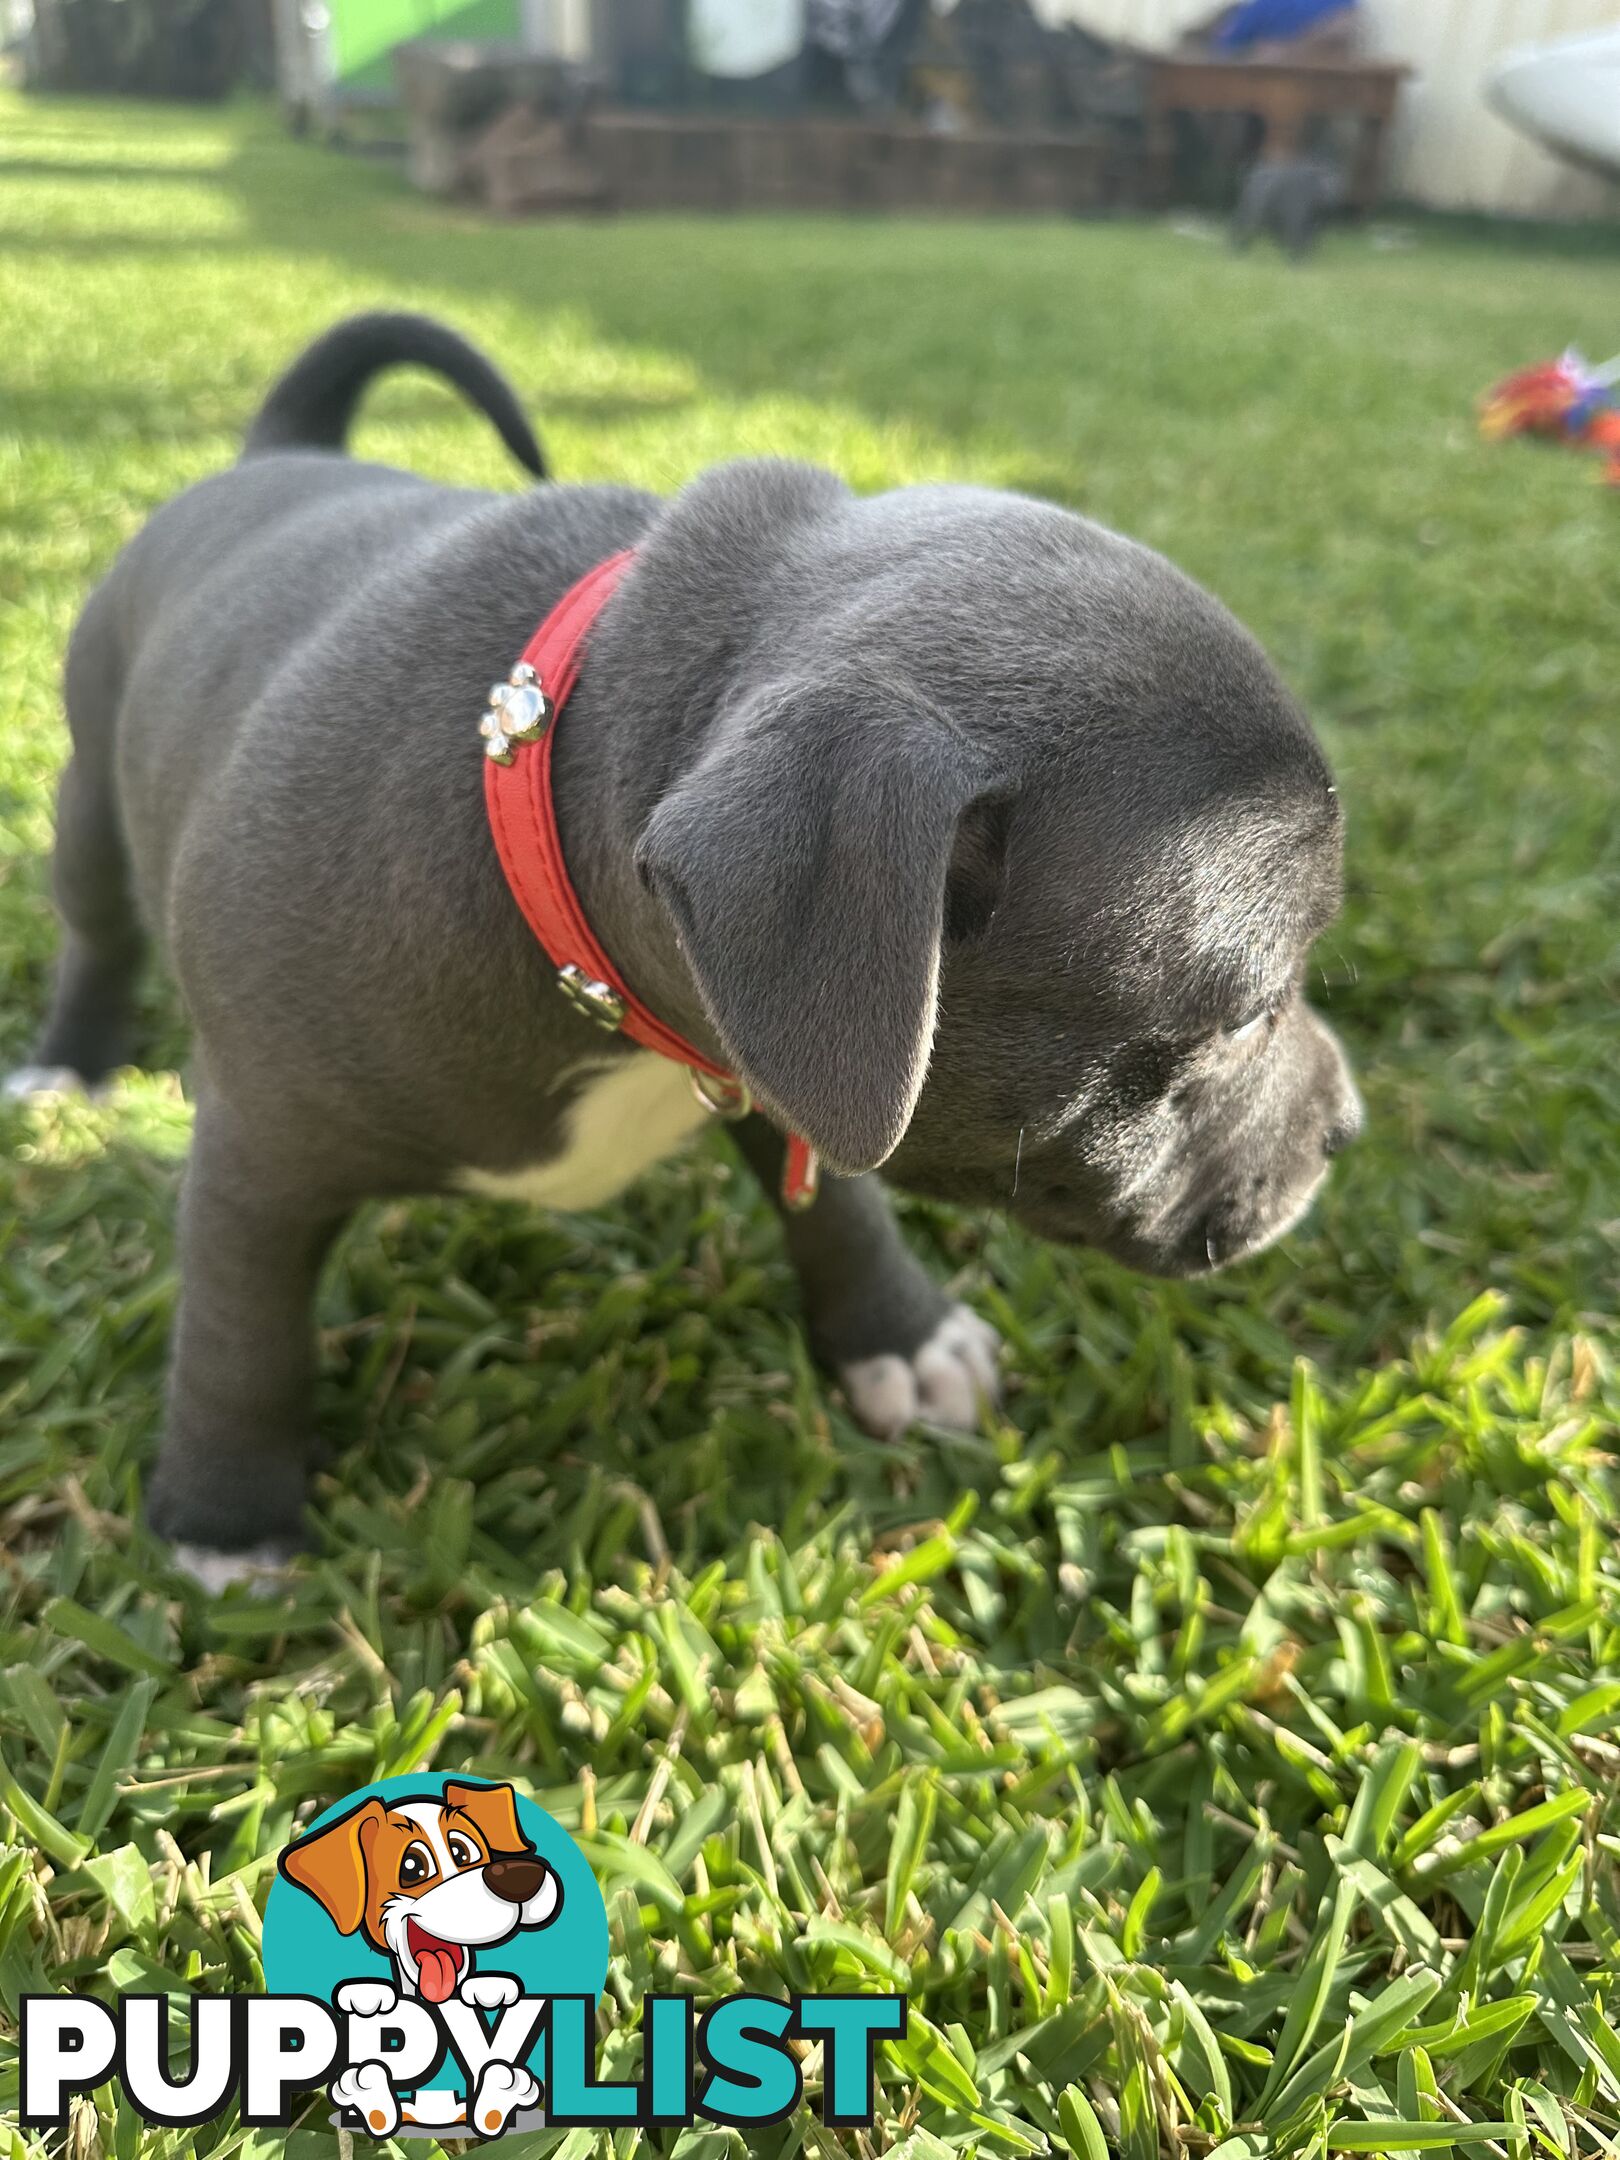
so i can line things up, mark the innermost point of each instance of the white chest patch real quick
(628, 1115)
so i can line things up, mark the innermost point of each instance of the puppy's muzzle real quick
(1238, 1173)
(1267, 1199)
(1345, 1127)
(515, 1879)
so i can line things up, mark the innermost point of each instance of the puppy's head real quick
(998, 861)
(428, 1881)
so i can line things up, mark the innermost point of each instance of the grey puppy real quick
(1287, 198)
(980, 842)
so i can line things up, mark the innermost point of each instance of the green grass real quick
(1221, 1749)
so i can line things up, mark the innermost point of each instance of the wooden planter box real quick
(690, 162)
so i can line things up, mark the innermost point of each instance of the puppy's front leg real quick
(904, 1352)
(231, 1476)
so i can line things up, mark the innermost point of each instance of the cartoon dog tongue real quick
(437, 1964)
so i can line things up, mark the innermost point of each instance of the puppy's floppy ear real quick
(804, 861)
(331, 1864)
(492, 1810)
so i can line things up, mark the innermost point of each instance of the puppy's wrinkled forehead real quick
(1260, 880)
(1044, 635)
(969, 593)
(1164, 902)
(1171, 814)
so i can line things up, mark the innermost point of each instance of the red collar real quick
(517, 731)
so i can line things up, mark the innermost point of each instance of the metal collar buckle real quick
(722, 1098)
(597, 1001)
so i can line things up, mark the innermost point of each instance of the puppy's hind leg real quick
(89, 1029)
(230, 1483)
(905, 1354)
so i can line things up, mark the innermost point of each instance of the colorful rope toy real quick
(1567, 398)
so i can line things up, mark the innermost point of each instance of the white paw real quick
(946, 1380)
(489, 1991)
(261, 1567)
(29, 1082)
(365, 2088)
(503, 2088)
(366, 1998)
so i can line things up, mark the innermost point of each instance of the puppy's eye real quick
(416, 1866)
(1260, 1022)
(462, 1850)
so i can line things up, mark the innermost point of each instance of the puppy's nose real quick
(515, 1878)
(1346, 1122)
(1345, 1117)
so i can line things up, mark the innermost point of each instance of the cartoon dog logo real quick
(430, 1882)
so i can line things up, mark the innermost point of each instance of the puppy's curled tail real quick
(312, 406)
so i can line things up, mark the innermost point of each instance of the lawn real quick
(1221, 1749)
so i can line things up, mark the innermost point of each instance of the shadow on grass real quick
(123, 411)
(94, 169)
(781, 315)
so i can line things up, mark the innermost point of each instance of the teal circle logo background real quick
(304, 1954)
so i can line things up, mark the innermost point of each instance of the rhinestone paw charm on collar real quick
(519, 712)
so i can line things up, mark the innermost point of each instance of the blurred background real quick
(1075, 105)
